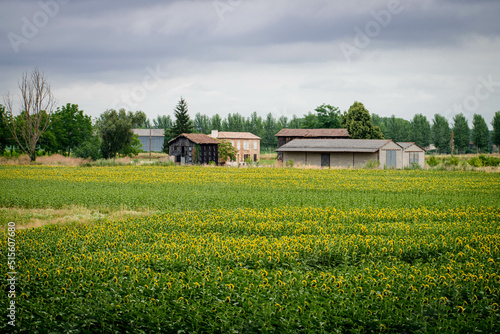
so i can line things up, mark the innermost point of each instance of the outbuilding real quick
(342, 152)
(155, 137)
(194, 148)
(412, 154)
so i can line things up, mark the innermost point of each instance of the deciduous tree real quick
(495, 136)
(358, 123)
(480, 132)
(461, 132)
(441, 133)
(420, 130)
(37, 104)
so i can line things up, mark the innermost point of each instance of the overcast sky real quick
(281, 56)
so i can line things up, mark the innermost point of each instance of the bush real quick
(476, 162)
(289, 163)
(89, 150)
(433, 161)
(371, 164)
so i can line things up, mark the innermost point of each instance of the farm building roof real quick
(334, 145)
(405, 145)
(237, 135)
(313, 133)
(145, 132)
(197, 138)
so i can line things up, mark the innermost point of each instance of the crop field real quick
(256, 250)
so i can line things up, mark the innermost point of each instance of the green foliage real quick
(90, 149)
(358, 123)
(372, 164)
(476, 162)
(115, 130)
(461, 132)
(183, 123)
(227, 151)
(69, 128)
(420, 130)
(397, 129)
(326, 117)
(289, 163)
(480, 132)
(5, 136)
(441, 133)
(433, 161)
(495, 136)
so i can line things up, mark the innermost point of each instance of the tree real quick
(216, 123)
(420, 130)
(37, 104)
(183, 123)
(269, 139)
(4, 130)
(480, 132)
(70, 127)
(162, 122)
(226, 151)
(326, 117)
(441, 133)
(115, 130)
(495, 136)
(461, 132)
(358, 123)
(202, 123)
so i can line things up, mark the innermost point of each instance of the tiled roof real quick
(237, 135)
(313, 133)
(198, 138)
(145, 132)
(334, 145)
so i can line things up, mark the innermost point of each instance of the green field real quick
(231, 250)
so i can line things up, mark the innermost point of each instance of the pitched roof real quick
(145, 132)
(405, 145)
(313, 133)
(197, 138)
(237, 135)
(334, 145)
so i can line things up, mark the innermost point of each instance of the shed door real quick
(391, 159)
(325, 160)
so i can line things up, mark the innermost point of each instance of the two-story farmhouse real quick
(246, 144)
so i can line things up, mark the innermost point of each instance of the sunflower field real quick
(256, 250)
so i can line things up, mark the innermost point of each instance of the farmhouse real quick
(342, 152)
(193, 148)
(246, 144)
(157, 137)
(412, 153)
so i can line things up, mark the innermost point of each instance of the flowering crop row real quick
(287, 269)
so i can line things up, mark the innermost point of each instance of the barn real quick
(412, 153)
(191, 148)
(157, 136)
(342, 152)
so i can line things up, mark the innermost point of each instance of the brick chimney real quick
(215, 133)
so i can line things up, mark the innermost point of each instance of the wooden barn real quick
(189, 149)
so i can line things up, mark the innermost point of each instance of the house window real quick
(239, 145)
(391, 159)
(413, 157)
(255, 145)
(325, 160)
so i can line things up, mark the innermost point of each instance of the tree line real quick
(67, 130)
